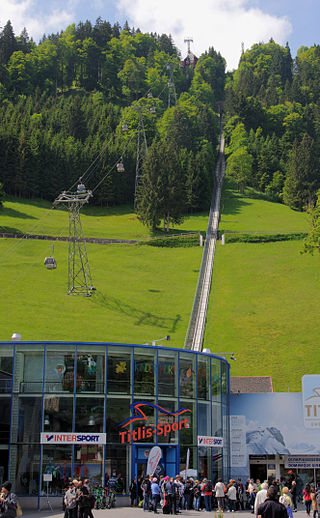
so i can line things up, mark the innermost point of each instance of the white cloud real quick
(37, 18)
(222, 24)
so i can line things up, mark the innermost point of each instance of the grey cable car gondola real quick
(120, 166)
(81, 188)
(152, 109)
(125, 127)
(50, 262)
(150, 96)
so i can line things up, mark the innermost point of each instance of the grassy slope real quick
(143, 293)
(116, 223)
(266, 297)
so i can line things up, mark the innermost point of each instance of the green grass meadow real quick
(265, 298)
(264, 301)
(143, 293)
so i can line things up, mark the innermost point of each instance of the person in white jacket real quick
(219, 490)
(261, 496)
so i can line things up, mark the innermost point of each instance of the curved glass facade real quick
(96, 410)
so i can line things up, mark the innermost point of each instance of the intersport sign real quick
(73, 438)
(211, 442)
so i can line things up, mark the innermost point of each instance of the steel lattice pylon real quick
(79, 276)
(142, 150)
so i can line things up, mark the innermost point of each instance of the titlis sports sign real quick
(72, 438)
(146, 432)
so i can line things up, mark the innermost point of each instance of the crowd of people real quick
(268, 499)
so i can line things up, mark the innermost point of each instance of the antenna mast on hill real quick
(188, 40)
(79, 276)
(171, 87)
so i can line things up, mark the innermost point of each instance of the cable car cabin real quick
(120, 167)
(149, 95)
(81, 188)
(125, 127)
(50, 263)
(153, 110)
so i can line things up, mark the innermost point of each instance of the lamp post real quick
(16, 337)
(154, 342)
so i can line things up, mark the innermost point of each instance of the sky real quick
(222, 24)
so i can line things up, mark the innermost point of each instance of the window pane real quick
(144, 368)
(6, 364)
(204, 419)
(150, 422)
(188, 434)
(29, 423)
(187, 375)
(119, 370)
(204, 378)
(118, 464)
(56, 460)
(4, 420)
(169, 423)
(118, 409)
(216, 420)
(27, 468)
(167, 373)
(88, 463)
(216, 380)
(90, 372)
(31, 365)
(59, 376)
(89, 414)
(58, 412)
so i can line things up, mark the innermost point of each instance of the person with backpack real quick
(286, 501)
(70, 501)
(293, 492)
(146, 491)
(307, 498)
(207, 494)
(196, 495)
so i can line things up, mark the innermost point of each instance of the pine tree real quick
(8, 43)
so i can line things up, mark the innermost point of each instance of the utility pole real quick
(79, 276)
(171, 87)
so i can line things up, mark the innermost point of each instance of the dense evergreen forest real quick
(273, 123)
(66, 101)
(79, 97)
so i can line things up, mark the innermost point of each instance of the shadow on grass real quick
(140, 317)
(35, 202)
(12, 213)
(10, 230)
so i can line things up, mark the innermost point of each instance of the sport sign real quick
(212, 442)
(73, 438)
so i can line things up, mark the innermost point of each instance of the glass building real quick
(132, 397)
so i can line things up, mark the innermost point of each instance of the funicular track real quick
(195, 333)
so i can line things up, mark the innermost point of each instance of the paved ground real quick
(129, 512)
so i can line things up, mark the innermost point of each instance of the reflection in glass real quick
(167, 374)
(187, 376)
(188, 434)
(203, 378)
(204, 420)
(29, 423)
(119, 371)
(32, 371)
(118, 409)
(88, 463)
(118, 465)
(216, 379)
(27, 469)
(216, 420)
(90, 372)
(5, 405)
(6, 364)
(169, 423)
(56, 460)
(89, 414)
(58, 411)
(59, 375)
(144, 374)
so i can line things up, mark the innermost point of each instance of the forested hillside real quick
(273, 128)
(79, 95)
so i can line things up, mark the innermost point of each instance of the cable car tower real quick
(172, 94)
(142, 147)
(79, 276)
